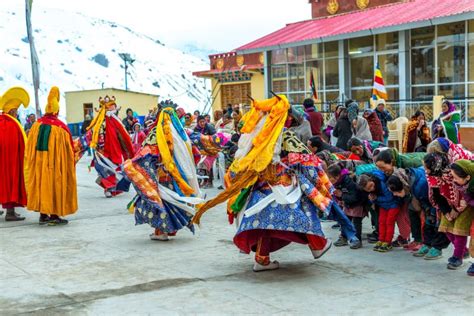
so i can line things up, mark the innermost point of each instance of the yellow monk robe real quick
(50, 161)
(51, 185)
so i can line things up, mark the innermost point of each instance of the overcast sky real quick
(213, 24)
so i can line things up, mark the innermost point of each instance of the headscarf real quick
(353, 111)
(336, 113)
(453, 151)
(440, 145)
(436, 163)
(401, 174)
(451, 107)
(297, 111)
(181, 112)
(468, 167)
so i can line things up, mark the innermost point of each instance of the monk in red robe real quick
(12, 153)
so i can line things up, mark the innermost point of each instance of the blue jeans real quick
(347, 228)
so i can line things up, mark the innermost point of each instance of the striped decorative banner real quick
(379, 91)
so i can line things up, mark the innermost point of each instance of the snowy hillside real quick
(78, 52)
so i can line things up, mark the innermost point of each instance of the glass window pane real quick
(314, 51)
(296, 98)
(279, 56)
(362, 95)
(331, 49)
(423, 93)
(279, 78)
(386, 41)
(470, 63)
(301, 54)
(470, 109)
(422, 65)
(470, 35)
(451, 63)
(451, 33)
(422, 36)
(362, 71)
(393, 93)
(331, 96)
(316, 67)
(296, 77)
(331, 73)
(452, 91)
(389, 67)
(361, 45)
(292, 52)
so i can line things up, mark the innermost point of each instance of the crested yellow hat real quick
(13, 98)
(53, 101)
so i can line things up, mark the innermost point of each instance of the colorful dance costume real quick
(275, 189)
(163, 173)
(112, 146)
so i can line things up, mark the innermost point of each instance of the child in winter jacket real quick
(353, 199)
(374, 183)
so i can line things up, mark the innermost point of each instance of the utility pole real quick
(33, 55)
(127, 60)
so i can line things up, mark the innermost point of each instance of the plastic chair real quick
(396, 131)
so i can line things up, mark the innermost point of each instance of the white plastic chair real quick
(396, 131)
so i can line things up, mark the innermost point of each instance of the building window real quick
(470, 57)
(88, 109)
(423, 37)
(452, 91)
(423, 70)
(451, 53)
(423, 92)
(331, 73)
(365, 53)
(470, 63)
(292, 69)
(438, 60)
(235, 93)
(389, 66)
(361, 45)
(423, 77)
(386, 41)
(362, 71)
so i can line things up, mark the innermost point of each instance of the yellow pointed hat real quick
(53, 101)
(13, 98)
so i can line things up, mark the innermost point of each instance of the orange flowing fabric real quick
(51, 185)
(261, 154)
(248, 168)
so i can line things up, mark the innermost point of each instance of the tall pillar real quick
(344, 71)
(404, 74)
(267, 72)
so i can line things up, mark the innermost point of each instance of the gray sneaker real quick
(341, 242)
(355, 244)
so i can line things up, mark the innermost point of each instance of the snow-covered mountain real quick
(78, 52)
(198, 51)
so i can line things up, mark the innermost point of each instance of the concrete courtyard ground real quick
(101, 264)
